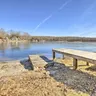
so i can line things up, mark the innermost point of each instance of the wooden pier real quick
(89, 57)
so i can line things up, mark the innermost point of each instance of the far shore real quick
(25, 41)
(46, 39)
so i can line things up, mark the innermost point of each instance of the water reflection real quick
(9, 51)
(19, 50)
(14, 46)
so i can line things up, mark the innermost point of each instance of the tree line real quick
(17, 35)
(12, 35)
(66, 39)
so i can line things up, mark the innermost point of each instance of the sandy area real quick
(17, 79)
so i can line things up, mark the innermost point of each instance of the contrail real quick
(60, 8)
(42, 22)
(64, 4)
(87, 33)
(84, 15)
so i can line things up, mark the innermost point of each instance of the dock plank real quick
(39, 61)
(78, 55)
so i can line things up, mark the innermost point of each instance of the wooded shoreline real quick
(48, 39)
(17, 36)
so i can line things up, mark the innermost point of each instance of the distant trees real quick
(25, 36)
(2, 33)
(13, 35)
(66, 39)
(17, 35)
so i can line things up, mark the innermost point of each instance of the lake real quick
(18, 51)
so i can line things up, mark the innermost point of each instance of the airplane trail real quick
(64, 4)
(85, 14)
(42, 22)
(47, 18)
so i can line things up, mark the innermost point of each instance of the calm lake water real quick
(15, 51)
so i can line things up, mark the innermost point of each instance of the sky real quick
(49, 17)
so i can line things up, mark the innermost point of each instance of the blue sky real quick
(49, 17)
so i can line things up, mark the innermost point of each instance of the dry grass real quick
(31, 84)
(59, 80)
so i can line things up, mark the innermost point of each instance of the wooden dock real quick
(39, 61)
(89, 57)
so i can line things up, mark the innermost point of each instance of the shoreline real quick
(26, 41)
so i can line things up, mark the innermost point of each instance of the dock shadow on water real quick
(75, 79)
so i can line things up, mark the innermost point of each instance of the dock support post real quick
(53, 55)
(63, 56)
(74, 63)
(87, 63)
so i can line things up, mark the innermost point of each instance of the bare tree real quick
(2, 33)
